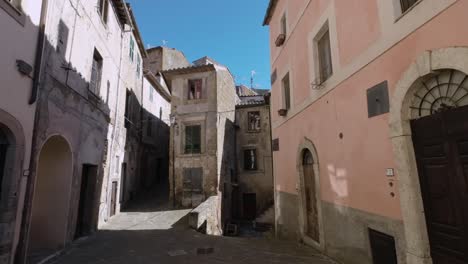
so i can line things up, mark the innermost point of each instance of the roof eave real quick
(269, 13)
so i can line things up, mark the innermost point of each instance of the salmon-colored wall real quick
(352, 169)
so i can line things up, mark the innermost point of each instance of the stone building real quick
(252, 192)
(20, 59)
(92, 54)
(369, 128)
(202, 135)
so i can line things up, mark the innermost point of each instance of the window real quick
(15, 3)
(149, 126)
(104, 10)
(160, 113)
(284, 25)
(138, 65)
(250, 159)
(195, 89)
(96, 73)
(254, 121)
(324, 56)
(151, 93)
(117, 164)
(3, 152)
(407, 4)
(128, 108)
(193, 139)
(132, 49)
(286, 92)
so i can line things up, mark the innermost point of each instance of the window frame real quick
(189, 89)
(14, 9)
(189, 148)
(254, 166)
(406, 5)
(132, 49)
(254, 130)
(103, 10)
(98, 62)
(324, 53)
(286, 91)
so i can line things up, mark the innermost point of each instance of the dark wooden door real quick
(113, 199)
(441, 146)
(310, 196)
(86, 207)
(383, 248)
(123, 183)
(250, 205)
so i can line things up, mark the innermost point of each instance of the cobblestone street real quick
(162, 236)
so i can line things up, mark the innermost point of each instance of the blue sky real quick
(229, 31)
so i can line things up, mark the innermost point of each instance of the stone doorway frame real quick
(416, 235)
(307, 144)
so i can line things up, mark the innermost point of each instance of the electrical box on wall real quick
(378, 100)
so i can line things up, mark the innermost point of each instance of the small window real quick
(15, 3)
(151, 93)
(195, 89)
(138, 66)
(160, 113)
(132, 49)
(286, 92)
(193, 139)
(250, 159)
(104, 10)
(325, 59)
(407, 4)
(128, 109)
(149, 126)
(117, 164)
(254, 121)
(96, 73)
(284, 25)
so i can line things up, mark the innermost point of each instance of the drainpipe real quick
(39, 53)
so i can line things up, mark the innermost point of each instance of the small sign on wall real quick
(275, 144)
(390, 172)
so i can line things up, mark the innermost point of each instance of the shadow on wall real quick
(69, 151)
(228, 177)
(146, 177)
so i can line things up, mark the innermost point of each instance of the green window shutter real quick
(188, 139)
(196, 139)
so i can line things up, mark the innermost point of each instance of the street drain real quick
(176, 253)
(205, 251)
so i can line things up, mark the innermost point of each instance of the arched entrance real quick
(4, 145)
(312, 229)
(428, 119)
(310, 206)
(51, 198)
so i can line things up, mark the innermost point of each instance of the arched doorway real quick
(439, 126)
(49, 220)
(311, 211)
(434, 66)
(4, 145)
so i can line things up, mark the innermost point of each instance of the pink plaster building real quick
(370, 127)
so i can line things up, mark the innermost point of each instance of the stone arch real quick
(54, 174)
(306, 145)
(12, 168)
(456, 58)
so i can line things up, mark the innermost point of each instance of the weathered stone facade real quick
(212, 113)
(254, 173)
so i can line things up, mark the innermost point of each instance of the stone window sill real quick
(13, 11)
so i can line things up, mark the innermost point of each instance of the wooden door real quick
(250, 205)
(383, 248)
(312, 229)
(86, 207)
(441, 146)
(113, 199)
